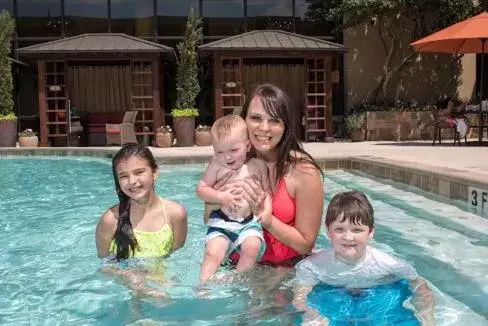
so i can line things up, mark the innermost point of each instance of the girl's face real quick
(265, 132)
(136, 178)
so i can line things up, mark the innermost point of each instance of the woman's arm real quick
(105, 231)
(309, 201)
(179, 224)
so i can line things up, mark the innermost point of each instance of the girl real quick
(142, 225)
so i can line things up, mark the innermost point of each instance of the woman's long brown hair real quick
(278, 105)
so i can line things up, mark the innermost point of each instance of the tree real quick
(6, 85)
(397, 20)
(187, 85)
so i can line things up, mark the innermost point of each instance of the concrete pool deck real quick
(463, 158)
(448, 170)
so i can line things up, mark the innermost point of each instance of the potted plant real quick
(164, 136)
(28, 138)
(203, 136)
(187, 86)
(355, 126)
(8, 120)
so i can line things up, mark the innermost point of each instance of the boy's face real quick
(231, 151)
(349, 240)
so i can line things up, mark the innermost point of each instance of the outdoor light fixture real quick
(54, 88)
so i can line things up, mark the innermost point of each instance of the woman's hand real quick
(265, 217)
(254, 194)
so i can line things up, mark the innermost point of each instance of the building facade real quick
(161, 21)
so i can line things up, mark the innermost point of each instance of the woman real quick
(291, 214)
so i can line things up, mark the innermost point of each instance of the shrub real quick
(6, 86)
(27, 133)
(187, 84)
(354, 121)
(175, 113)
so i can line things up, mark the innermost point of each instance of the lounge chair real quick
(122, 133)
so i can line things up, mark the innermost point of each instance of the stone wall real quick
(396, 126)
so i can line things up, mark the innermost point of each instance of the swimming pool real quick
(49, 273)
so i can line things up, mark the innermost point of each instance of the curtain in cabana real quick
(95, 89)
(289, 77)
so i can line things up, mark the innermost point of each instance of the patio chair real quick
(441, 124)
(122, 133)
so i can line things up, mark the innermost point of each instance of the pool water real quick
(49, 272)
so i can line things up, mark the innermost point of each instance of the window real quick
(172, 16)
(270, 14)
(311, 18)
(132, 17)
(83, 16)
(39, 18)
(223, 17)
(7, 5)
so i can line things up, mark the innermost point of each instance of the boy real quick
(354, 266)
(232, 227)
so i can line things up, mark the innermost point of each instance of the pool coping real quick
(451, 183)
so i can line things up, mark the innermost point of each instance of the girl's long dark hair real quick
(124, 235)
(278, 105)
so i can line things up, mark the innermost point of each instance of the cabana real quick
(303, 66)
(91, 80)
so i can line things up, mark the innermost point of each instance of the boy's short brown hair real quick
(352, 206)
(224, 126)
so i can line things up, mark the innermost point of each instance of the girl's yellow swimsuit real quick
(152, 244)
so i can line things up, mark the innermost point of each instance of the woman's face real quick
(265, 132)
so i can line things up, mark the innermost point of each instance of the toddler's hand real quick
(230, 198)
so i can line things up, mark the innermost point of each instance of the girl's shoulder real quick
(110, 217)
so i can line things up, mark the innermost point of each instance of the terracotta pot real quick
(32, 141)
(184, 131)
(203, 138)
(356, 135)
(164, 139)
(8, 133)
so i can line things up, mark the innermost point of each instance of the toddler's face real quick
(349, 240)
(231, 152)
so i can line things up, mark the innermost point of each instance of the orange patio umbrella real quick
(467, 36)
